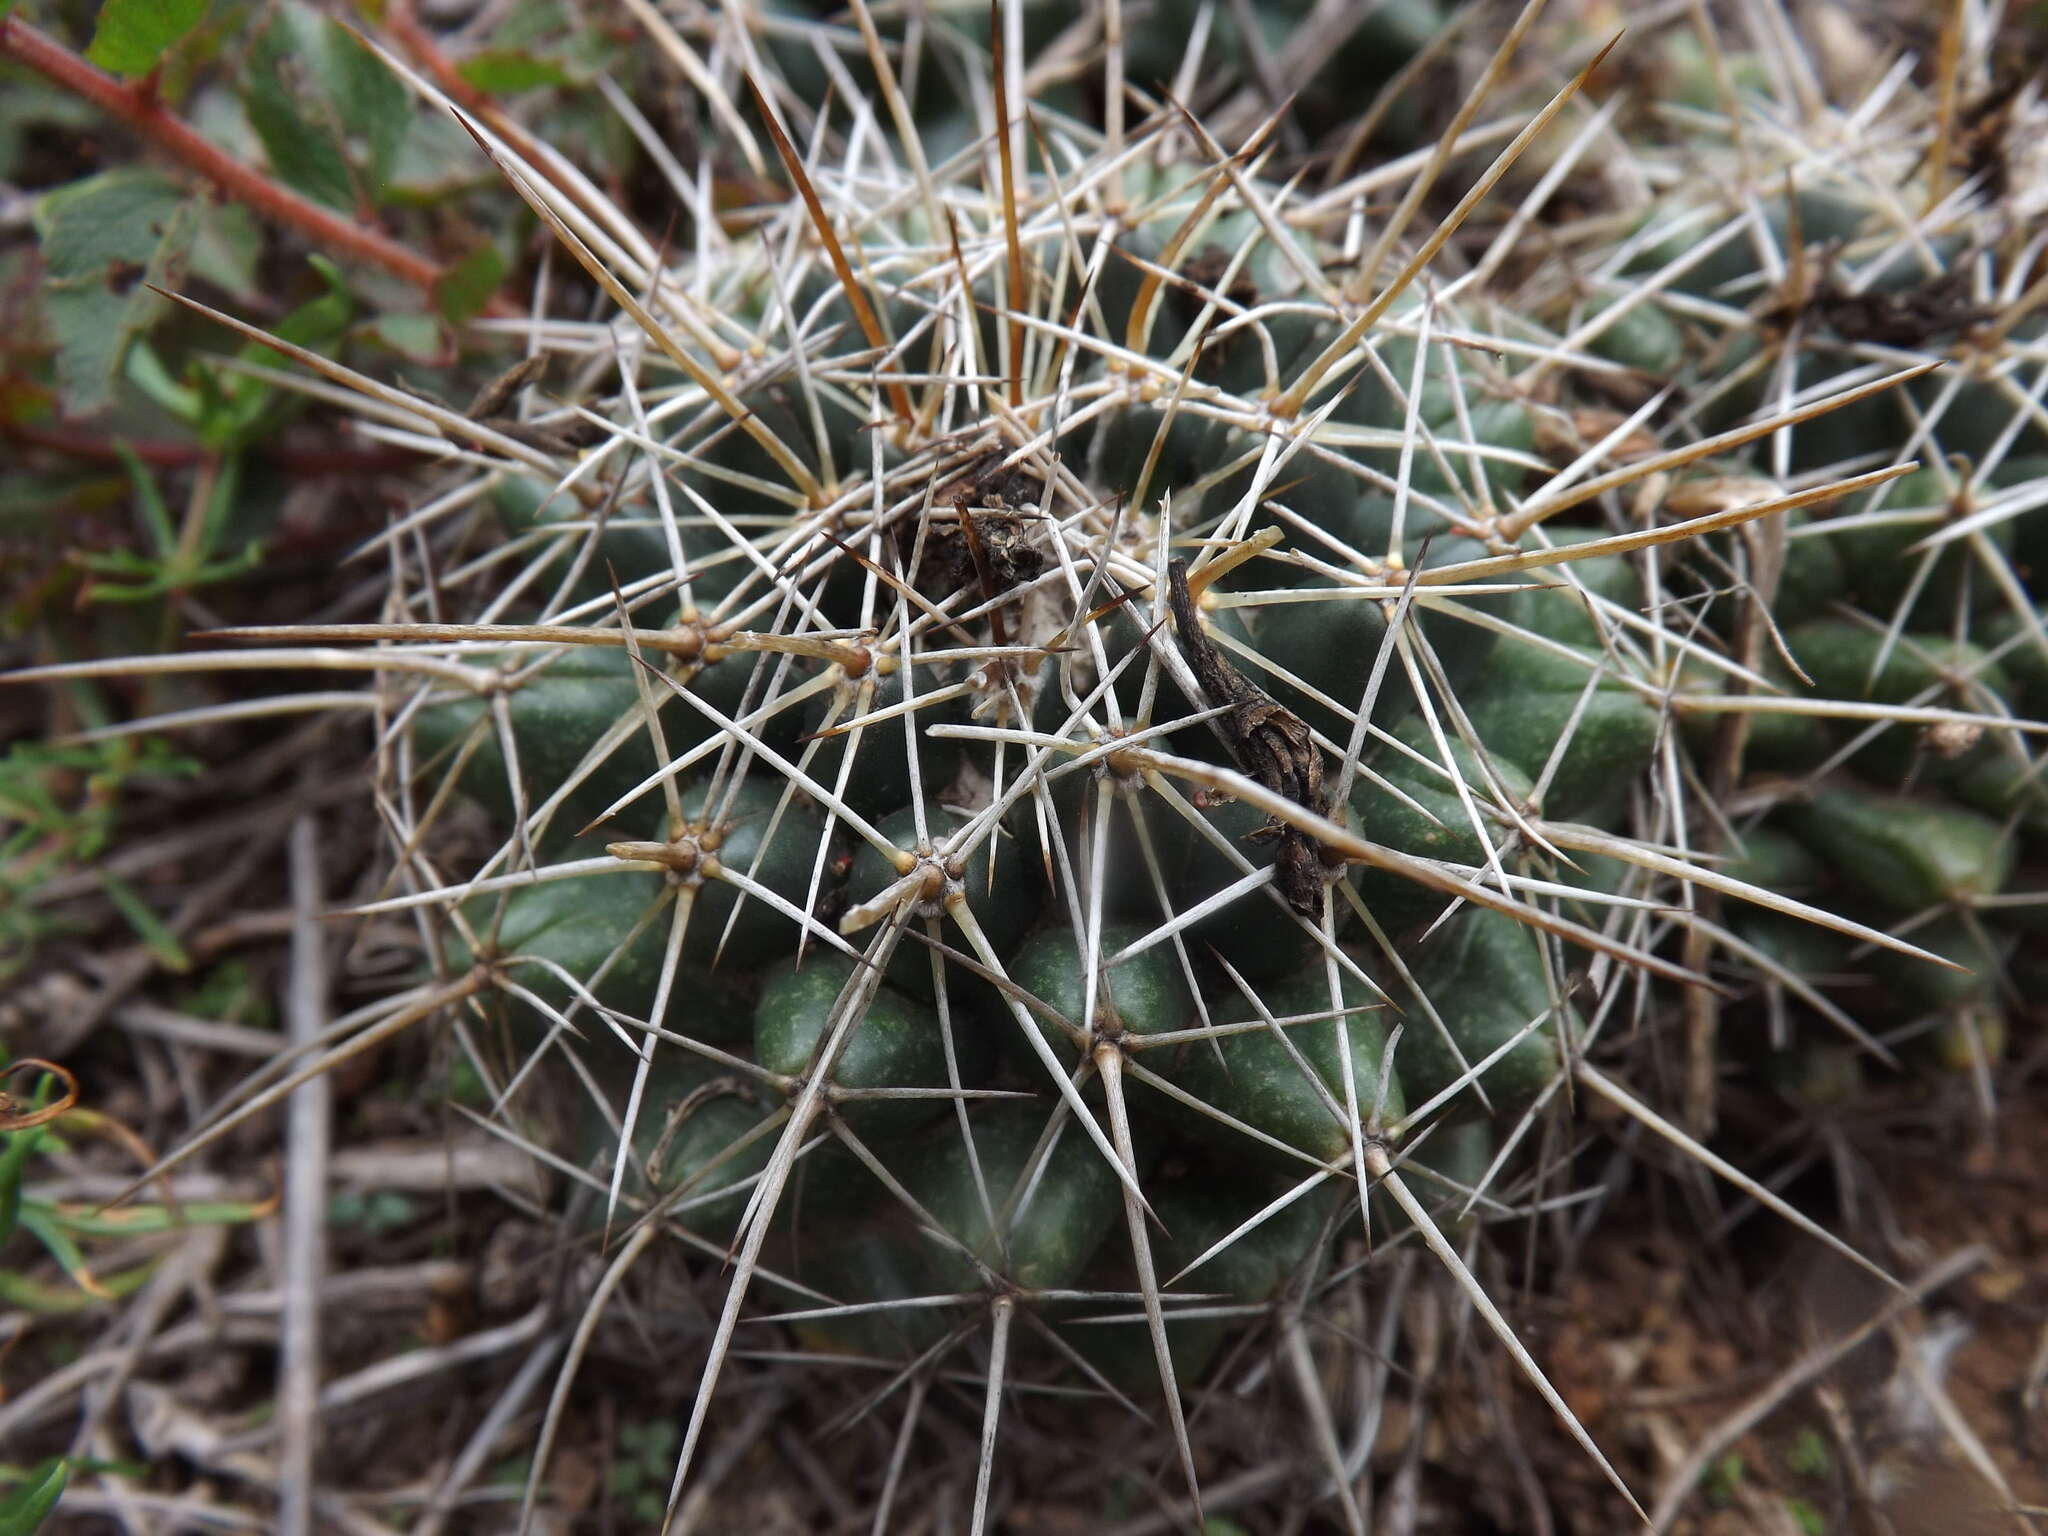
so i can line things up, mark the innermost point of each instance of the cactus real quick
(952, 928)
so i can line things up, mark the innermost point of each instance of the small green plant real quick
(1808, 1517)
(1808, 1455)
(229, 991)
(33, 1498)
(372, 1212)
(59, 808)
(174, 560)
(1723, 1478)
(643, 1456)
(37, 1126)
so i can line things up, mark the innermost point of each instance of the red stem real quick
(140, 111)
(98, 446)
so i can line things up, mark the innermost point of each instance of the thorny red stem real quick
(92, 443)
(140, 110)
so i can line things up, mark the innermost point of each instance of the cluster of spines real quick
(1133, 396)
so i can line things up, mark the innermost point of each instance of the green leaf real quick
(172, 567)
(148, 1220)
(304, 157)
(155, 515)
(105, 240)
(331, 117)
(502, 71)
(229, 991)
(132, 35)
(437, 158)
(302, 141)
(24, 1510)
(220, 507)
(231, 408)
(1808, 1454)
(146, 371)
(14, 1158)
(416, 337)
(375, 1213)
(318, 324)
(48, 1299)
(158, 939)
(1722, 1478)
(143, 580)
(467, 286)
(40, 1223)
(226, 250)
(524, 26)
(132, 1221)
(370, 100)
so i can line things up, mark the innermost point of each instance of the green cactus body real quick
(1261, 936)
(558, 715)
(1258, 1078)
(1848, 661)
(1329, 645)
(1414, 807)
(1051, 1211)
(698, 1156)
(1978, 955)
(1560, 611)
(1902, 853)
(611, 931)
(1146, 995)
(1198, 1211)
(896, 1043)
(1487, 980)
(1527, 700)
